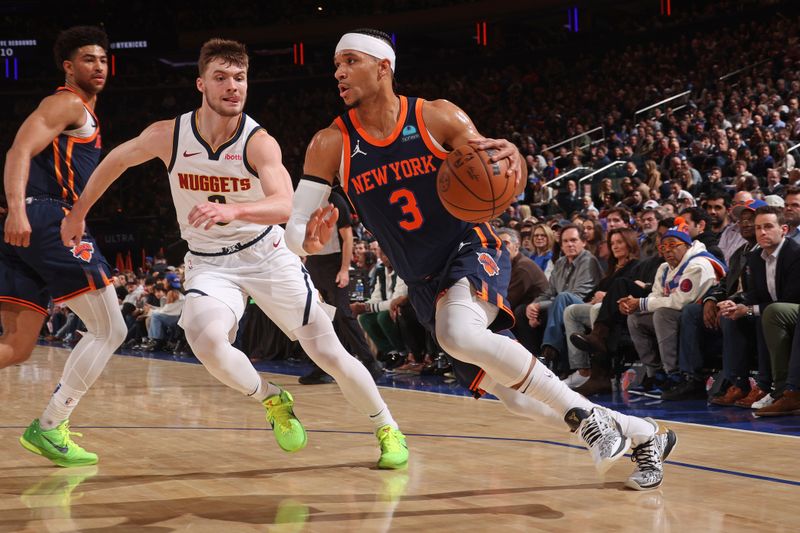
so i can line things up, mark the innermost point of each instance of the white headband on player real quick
(367, 44)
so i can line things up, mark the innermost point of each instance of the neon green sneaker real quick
(56, 444)
(394, 451)
(288, 430)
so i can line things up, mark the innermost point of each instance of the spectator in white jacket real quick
(653, 321)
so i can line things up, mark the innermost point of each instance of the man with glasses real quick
(575, 276)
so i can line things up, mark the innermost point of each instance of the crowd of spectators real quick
(705, 158)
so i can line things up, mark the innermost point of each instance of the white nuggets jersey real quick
(198, 173)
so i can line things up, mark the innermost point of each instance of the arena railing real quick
(643, 110)
(579, 136)
(602, 169)
(565, 174)
(743, 69)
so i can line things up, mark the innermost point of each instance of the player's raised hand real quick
(320, 227)
(17, 229)
(209, 213)
(72, 229)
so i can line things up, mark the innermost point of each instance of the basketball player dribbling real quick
(385, 151)
(231, 191)
(55, 150)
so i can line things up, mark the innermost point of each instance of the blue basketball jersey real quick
(391, 183)
(62, 169)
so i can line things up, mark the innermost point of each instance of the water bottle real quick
(359, 290)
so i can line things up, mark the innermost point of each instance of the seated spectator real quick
(596, 243)
(788, 401)
(526, 243)
(784, 161)
(527, 279)
(764, 162)
(653, 321)
(652, 178)
(570, 200)
(543, 239)
(575, 276)
(375, 318)
(791, 212)
(579, 317)
(717, 205)
(611, 322)
(148, 299)
(712, 184)
(772, 294)
(589, 211)
(700, 322)
(731, 239)
(163, 318)
(774, 185)
(648, 238)
(618, 217)
(699, 224)
(541, 197)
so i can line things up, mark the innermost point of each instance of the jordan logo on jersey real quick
(489, 264)
(83, 251)
(357, 150)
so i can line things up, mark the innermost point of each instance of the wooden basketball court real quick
(180, 451)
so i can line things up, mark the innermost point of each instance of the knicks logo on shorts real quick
(488, 263)
(84, 251)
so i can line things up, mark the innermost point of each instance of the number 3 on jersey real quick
(408, 206)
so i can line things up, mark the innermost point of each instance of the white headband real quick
(367, 44)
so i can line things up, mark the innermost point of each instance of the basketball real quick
(472, 187)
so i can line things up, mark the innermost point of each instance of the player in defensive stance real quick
(55, 150)
(385, 151)
(231, 191)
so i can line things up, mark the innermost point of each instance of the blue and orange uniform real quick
(391, 183)
(47, 268)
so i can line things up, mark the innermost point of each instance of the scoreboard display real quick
(12, 53)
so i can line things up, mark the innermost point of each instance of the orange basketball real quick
(472, 187)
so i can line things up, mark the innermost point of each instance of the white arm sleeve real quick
(309, 196)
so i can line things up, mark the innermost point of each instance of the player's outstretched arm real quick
(264, 155)
(313, 219)
(154, 141)
(55, 114)
(452, 127)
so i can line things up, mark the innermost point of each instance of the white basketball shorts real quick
(266, 271)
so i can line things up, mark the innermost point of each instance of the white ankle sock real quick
(541, 384)
(382, 418)
(265, 390)
(61, 404)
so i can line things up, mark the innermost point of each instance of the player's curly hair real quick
(69, 40)
(231, 52)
